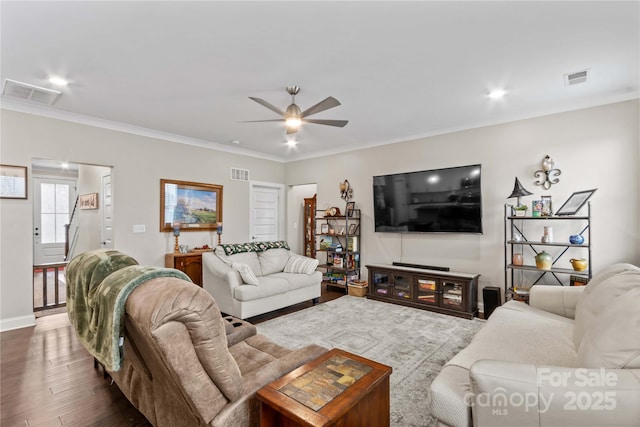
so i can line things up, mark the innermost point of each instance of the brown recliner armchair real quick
(183, 364)
(186, 365)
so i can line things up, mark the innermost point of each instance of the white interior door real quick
(107, 212)
(266, 207)
(52, 207)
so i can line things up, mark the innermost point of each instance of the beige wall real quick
(594, 148)
(138, 165)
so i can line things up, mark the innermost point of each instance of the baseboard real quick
(17, 322)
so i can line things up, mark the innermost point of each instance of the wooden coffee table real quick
(338, 388)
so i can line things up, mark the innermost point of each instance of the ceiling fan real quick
(294, 117)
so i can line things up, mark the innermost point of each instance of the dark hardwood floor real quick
(48, 379)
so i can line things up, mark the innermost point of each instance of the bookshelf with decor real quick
(522, 232)
(338, 246)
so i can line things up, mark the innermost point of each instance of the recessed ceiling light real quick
(58, 81)
(64, 165)
(497, 93)
(235, 141)
(291, 142)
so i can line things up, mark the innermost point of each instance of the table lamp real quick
(176, 234)
(518, 191)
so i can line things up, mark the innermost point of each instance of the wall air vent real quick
(576, 78)
(239, 174)
(27, 92)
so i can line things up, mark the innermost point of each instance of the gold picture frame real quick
(193, 206)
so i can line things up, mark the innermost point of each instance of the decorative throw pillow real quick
(273, 260)
(245, 272)
(236, 248)
(301, 265)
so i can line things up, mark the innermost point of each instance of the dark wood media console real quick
(444, 292)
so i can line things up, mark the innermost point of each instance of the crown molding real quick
(52, 113)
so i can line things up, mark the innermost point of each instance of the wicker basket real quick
(357, 290)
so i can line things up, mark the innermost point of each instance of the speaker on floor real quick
(491, 299)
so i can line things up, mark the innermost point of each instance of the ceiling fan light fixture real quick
(293, 122)
(58, 81)
(294, 117)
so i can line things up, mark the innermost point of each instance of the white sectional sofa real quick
(570, 358)
(248, 279)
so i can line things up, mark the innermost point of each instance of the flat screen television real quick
(431, 201)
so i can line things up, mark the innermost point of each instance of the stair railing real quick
(70, 240)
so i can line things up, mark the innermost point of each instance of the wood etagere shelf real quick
(337, 247)
(515, 226)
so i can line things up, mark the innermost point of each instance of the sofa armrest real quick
(220, 280)
(561, 300)
(508, 394)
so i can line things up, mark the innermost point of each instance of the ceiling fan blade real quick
(291, 130)
(267, 105)
(337, 123)
(330, 102)
(257, 121)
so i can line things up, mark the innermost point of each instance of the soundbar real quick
(426, 267)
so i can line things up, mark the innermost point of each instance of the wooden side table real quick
(338, 388)
(189, 263)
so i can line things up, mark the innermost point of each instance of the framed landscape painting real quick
(191, 205)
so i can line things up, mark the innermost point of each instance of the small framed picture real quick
(353, 228)
(88, 201)
(575, 202)
(324, 228)
(546, 206)
(13, 182)
(350, 208)
(536, 208)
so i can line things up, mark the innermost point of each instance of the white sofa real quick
(254, 278)
(570, 358)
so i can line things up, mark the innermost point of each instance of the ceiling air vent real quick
(576, 78)
(29, 92)
(239, 174)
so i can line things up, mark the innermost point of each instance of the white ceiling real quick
(402, 70)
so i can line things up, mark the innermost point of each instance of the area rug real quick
(415, 343)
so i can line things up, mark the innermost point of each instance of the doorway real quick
(53, 201)
(61, 229)
(266, 205)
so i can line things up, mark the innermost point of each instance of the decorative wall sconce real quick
(547, 175)
(346, 192)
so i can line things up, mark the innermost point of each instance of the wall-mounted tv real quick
(431, 201)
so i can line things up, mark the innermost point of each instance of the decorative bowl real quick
(576, 239)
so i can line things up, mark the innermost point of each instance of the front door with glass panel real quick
(53, 203)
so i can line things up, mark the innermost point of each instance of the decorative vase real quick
(579, 264)
(576, 239)
(517, 259)
(543, 261)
